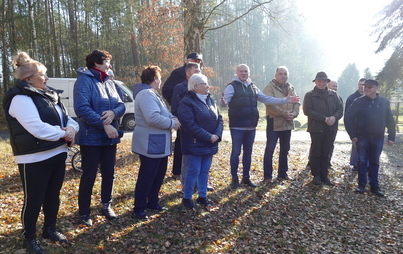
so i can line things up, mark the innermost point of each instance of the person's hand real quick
(390, 142)
(177, 124)
(292, 99)
(290, 115)
(214, 138)
(111, 131)
(330, 120)
(108, 116)
(354, 139)
(70, 133)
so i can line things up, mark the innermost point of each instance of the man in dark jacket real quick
(177, 76)
(323, 108)
(365, 122)
(350, 99)
(179, 90)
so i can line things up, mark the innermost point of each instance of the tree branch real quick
(237, 18)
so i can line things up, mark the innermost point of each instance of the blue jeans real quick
(198, 170)
(272, 137)
(369, 151)
(245, 139)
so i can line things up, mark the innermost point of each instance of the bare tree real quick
(198, 15)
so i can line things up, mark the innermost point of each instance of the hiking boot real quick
(51, 233)
(235, 183)
(107, 211)
(188, 203)
(247, 181)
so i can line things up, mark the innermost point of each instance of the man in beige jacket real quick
(279, 124)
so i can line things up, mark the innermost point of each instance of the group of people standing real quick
(41, 131)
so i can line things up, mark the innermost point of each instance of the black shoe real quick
(235, 184)
(53, 235)
(247, 181)
(355, 168)
(157, 208)
(188, 203)
(85, 220)
(377, 191)
(327, 181)
(204, 202)
(32, 246)
(360, 189)
(209, 188)
(107, 211)
(140, 215)
(316, 180)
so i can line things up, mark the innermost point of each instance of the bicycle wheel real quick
(76, 162)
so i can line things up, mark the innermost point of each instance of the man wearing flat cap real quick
(323, 108)
(365, 122)
(178, 76)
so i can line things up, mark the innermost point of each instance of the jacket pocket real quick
(156, 143)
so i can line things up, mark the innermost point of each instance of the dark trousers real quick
(151, 175)
(91, 157)
(321, 144)
(177, 161)
(272, 137)
(42, 182)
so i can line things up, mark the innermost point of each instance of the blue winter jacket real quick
(198, 123)
(91, 98)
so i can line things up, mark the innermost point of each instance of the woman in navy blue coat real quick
(202, 127)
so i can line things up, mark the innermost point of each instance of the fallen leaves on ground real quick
(287, 217)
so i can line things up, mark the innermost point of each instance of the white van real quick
(67, 85)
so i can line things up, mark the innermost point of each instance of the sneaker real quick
(107, 211)
(53, 235)
(235, 184)
(32, 246)
(247, 181)
(210, 188)
(316, 180)
(188, 203)
(355, 168)
(139, 215)
(157, 208)
(85, 220)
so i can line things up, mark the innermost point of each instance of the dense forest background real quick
(264, 35)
